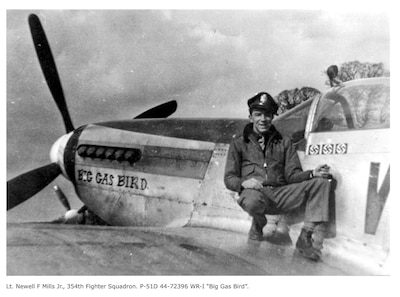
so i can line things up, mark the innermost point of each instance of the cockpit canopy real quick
(359, 105)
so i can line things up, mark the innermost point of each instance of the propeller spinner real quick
(26, 185)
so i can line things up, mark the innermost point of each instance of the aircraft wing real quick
(106, 250)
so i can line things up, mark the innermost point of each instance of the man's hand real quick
(252, 183)
(322, 171)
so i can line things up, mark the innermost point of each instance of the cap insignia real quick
(263, 99)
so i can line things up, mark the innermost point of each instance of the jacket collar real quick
(271, 134)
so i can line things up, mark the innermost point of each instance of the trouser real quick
(313, 194)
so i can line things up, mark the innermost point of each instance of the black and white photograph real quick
(235, 143)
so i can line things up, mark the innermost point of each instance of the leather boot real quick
(255, 232)
(305, 247)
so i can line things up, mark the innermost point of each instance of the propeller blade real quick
(26, 185)
(49, 68)
(61, 196)
(160, 111)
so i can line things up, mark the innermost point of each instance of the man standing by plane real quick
(263, 167)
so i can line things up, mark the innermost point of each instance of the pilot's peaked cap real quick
(263, 101)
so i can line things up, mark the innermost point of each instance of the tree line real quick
(347, 71)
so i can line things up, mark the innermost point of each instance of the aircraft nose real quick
(57, 152)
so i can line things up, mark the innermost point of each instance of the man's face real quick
(261, 120)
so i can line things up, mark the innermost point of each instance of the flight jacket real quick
(278, 166)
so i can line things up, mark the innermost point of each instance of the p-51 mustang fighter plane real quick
(162, 174)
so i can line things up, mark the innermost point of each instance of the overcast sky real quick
(115, 64)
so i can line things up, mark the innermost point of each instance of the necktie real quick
(261, 141)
